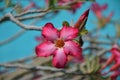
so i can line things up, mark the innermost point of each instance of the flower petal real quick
(115, 51)
(73, 49)
(39, 38)
(68, 33)
(49, 32)
(114, 67)
(82, 20)
(45, 49)
(115, 75)
(96, 8)
(59, 59)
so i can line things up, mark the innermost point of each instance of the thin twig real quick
(92, 40)
(23, 60)
(26, 27)
(32, 16)
(13, 37)
(51, 76)
(43, 68)
(31, 12)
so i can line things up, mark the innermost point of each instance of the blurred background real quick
(24, 43)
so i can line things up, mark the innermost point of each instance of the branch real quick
(29, 67)
(19, 71)
(93, 40)
(13, 37)
(32, 17)
(26, 27)
(31, 12)
(51, 76)
(45, 10)
(23, 60)
(43, 68)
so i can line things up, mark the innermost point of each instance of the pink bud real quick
(29, 6)
(82, 20)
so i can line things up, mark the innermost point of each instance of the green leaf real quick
(96, 66)
(102, 23)
(8, 3)
(52, 3)
(88, 64)
(92, 64)
(83, 31)
(18, 9)
(65, 23)
(118, 30)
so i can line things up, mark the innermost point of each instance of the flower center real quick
(59, 43)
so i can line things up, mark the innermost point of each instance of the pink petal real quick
(73, 49)
(31, 5)
(115, 75)
(77, 5)
(68, 33)
(45, 49)
(49, 32)
(115, 50)
(115, 46)
(115, 67)
(96, 8)
(104, 7)
(39, 38)
(109, 17)
(59, 59)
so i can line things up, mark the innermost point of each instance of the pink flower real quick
(114, 57)
(31, 5)
(59, 43)
(75, 59)
(115, 75)
(39, 38)
(74, 6)
(97, 9)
